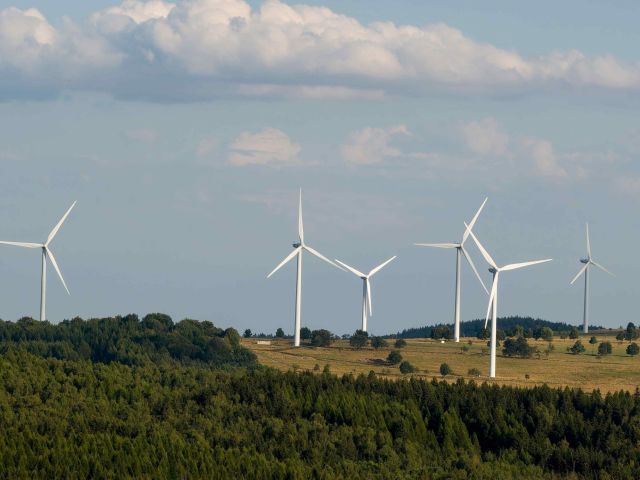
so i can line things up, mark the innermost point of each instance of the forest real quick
(154, 399)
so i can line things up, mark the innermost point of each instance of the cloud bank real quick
(203, 49)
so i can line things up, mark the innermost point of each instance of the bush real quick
(593, 340)
(576, 348)
(305, 333)
(573, 333)
(406, 367)
(379, 342)
(279, 333)
(400, 343)
(631, 332)
(445, 369)
(394, 357)
(464, 348)
(620, 336)
(441, 331)
(633, 349)
(247, 333)
(474, 372)
(321, 338)
(605, 348)
(359, 339)
(518, 348)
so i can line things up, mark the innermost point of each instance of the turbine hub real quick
(493, 270)
(584, 260)
(296, 245)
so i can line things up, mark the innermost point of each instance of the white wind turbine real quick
(46, 253)
(366, 288)
(299, 247)
(460, 251)
(587, 262)
(493, 297)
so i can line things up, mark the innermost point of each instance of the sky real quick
(185, 130)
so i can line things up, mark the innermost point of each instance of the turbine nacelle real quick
(584, 260)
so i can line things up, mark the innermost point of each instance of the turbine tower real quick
(299, 247)
(460, 251)
(587, 263)
(46, 253)
(366, 288)
(493, 297)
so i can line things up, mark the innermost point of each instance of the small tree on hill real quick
(406, 367)
(305, 333)
(321, 338)
(593, 340)
(359, 339)
(620, 336)
(400, 343)
(518, 348)
(247, 333)
(605, 348)
(394, 357)
(474, 372)
(279, 333)
(573, 333)
(577, 348)
(379, 342)
(445, 369)
(633, 349)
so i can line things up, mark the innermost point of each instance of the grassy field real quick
(559, 368)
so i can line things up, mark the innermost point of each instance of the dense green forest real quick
(474, 328)
(136, 406)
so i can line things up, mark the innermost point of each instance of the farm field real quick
(559, 368)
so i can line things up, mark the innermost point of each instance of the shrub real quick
(394, 357)
(445, 369)
(518, 348)
(633, 349)
(279, 333)
(474, 372)
(573, 333)
(620, 336)
(576, 348)
(400, 343)
(321, 338)
(605, 348)
(247, 333)
(379, 342)
(464, 348)
(305, 333)
(359, 339)
(406, 367)
(593, 340)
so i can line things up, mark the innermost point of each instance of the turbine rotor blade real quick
(588, 242)
(55, 265)
(438, 245)
(320, 256)
(494, 289)
(484, 253)
(381, 266)
(602, 268)
(515, 266)
(473, 222)
(23, 244)
(466, 255)
(369, 296)
(582, 270)
(59, 224)
(287, 258)
(300, 224)
(351, 269)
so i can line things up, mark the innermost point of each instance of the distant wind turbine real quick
(493, 297)
(460, 250)
(587, 262)
(46, 253)
(366, 288)
(297, 252)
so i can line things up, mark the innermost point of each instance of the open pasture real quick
(558, 368)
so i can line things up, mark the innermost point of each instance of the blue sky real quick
(184, 131)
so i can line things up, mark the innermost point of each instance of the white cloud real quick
(485, 137)
(145, 135)
(207, 48)
(545, 161)
(371, 145)
(268, 147)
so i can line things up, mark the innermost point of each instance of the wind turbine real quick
(46, 253)
(587, 262)
(493, 297)
(366, 288)
(460, 251)
(299, 247)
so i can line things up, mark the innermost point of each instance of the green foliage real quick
(593, 340)
(576, 348)
(445, 369)
(394, 357)
(518, 347)
(379, 342)
(128, 340)
(359, 339)
(473, 372)
(620, 336)
(631, 333)
(544, 333)
(633, 349)
(605, 348)
(406, 367)
(279, 333)
(305, 333)
(321, 338)
(441, 331)
(400, 343)
(247, 333)
(573, 333)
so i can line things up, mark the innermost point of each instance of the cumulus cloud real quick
(268, 147)
(485, 137)
(545, 160)
(371, 145)
(191, 49)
